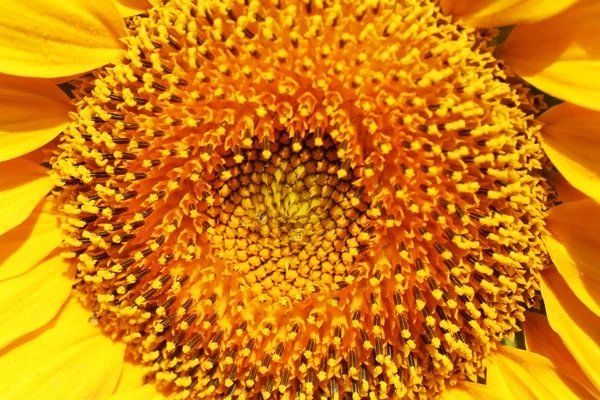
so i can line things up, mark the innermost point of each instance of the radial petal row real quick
(492, 13)
(572, 141)
(566, 191)
(22, 185)
(578, 327)
(24, 246)
(527, 375)
(132, 384)
(145, 392)
(127, 8)
(30, 301)
(560, 55)
(68, 359)
(473, 391)
(541, 339)
(573, 246)
(46, 39)
(514, 374)
(32, 113)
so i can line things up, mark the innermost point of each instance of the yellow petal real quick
(541, 339)
(32, 113)
(573, 246)
(44, 153)
(69, 359)
(566, 191)
(493, 13)
(132, 384)
(577, 326)
(23, 247)
(145, 392)
(127, 8)
(47, 39)
(530, 376)
(560, 55)
(132, 376)
(475, 391)
(30, 301)
(22, 185)
(571, 138)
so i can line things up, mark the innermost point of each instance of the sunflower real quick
(299, 199)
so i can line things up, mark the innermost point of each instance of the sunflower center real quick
(304, 197)
(286, 217)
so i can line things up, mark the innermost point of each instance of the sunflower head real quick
(304, 198)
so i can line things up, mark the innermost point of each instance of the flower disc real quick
(304, 199)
